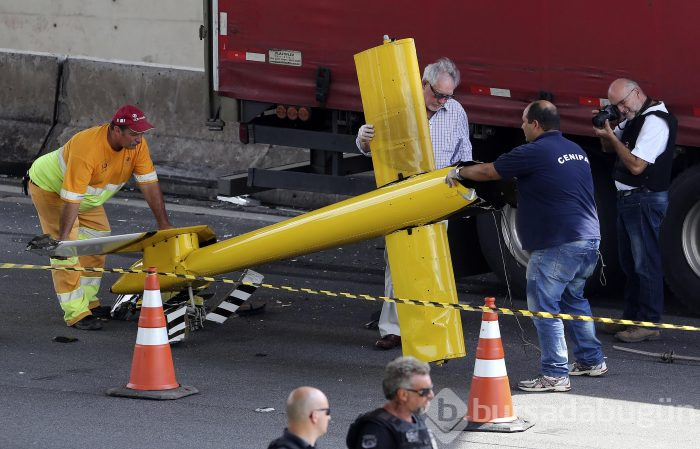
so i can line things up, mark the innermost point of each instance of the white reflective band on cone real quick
(149, 336)
(151, 298)
(490, 329)
(490, 368)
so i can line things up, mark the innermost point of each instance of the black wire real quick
(506, 276)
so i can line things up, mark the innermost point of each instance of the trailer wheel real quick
(501, 247)
(504, 254)
(680, 239)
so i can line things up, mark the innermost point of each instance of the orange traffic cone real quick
(490, 406)
(152, 370)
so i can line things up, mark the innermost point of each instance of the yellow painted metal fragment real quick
(421, 268)
(392, 99)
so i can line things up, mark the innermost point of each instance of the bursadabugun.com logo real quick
(644, 415)
(445, 415)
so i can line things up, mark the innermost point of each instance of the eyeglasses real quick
(423, 392)
(438, 95)
(130, 132)
(622, 102)
(327, 410)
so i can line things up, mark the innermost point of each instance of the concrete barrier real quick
(28, 86)
(189, 158)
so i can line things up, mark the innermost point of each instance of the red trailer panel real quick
(507, 52)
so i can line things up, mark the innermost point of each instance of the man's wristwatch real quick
(457, 175)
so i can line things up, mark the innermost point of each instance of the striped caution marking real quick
(176, 316)
(247, 285)
(364, 297)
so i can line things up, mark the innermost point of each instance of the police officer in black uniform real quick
(398, 424)
(308, 414)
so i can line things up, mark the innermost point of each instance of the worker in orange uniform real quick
(68, 188)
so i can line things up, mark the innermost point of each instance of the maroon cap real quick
(132, 117)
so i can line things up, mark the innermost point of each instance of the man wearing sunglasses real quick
(68, 188)
(398, 424)
(449, 133)
(643, 142)
(308, 415)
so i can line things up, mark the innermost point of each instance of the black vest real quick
(656, 176)
(289, 441)
(283, 443)
(406, 435)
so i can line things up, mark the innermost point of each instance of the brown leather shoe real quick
(611, 328)
(389, 341)
(635, 334)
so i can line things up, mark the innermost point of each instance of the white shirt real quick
(449, 133)
(651, 141)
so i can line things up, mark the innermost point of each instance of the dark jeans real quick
(555, 280)
(639, 219)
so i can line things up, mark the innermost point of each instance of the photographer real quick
(643, 142)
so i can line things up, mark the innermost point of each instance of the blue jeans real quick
(555, 280)
(639, 219)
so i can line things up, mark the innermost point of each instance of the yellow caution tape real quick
(416, 302)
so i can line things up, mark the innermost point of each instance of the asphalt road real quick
(52, 395)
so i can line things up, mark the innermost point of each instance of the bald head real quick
(627, 96)
(539, 117)
(622, 85)
(308, 413)
(545, 113)
(304, 400)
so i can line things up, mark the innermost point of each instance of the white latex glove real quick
(453, 177)
(365, 134)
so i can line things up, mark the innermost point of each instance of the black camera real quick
(609, 112)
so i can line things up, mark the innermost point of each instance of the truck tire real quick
(503, 252)
(679, 239)
(501, 247)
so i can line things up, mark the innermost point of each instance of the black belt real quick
(624, 193)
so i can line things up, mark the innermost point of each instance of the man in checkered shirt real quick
(449, 132)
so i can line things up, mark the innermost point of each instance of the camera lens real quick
(609, 112)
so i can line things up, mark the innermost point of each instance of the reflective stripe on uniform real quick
(62, 162)
(70, 261)
(97, 191)
(88, 233)
(148, 177)
(71, 196)
(90, 285)
(86, 281)
(70, 296)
